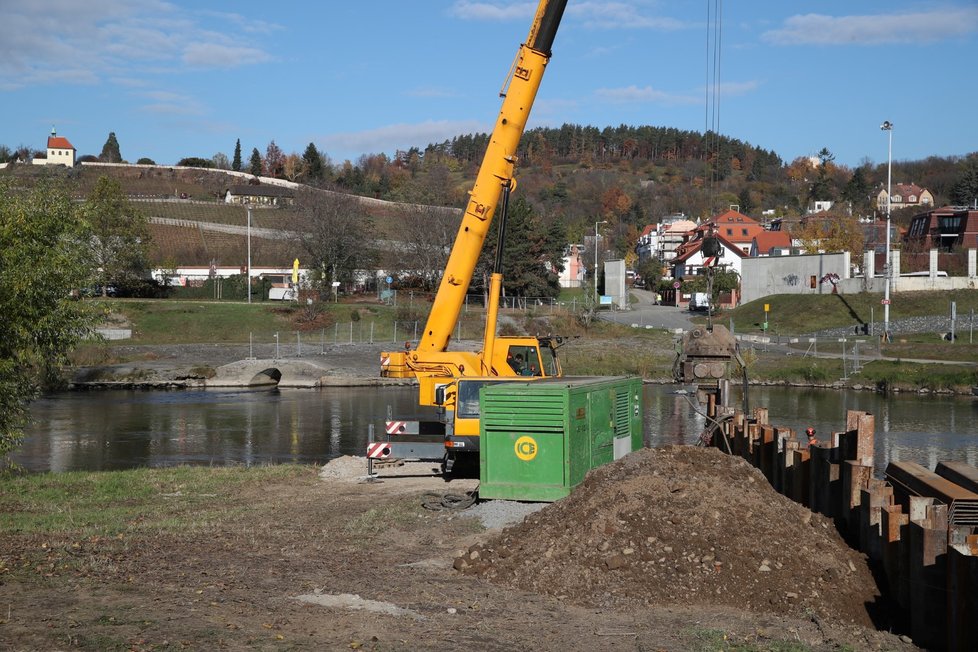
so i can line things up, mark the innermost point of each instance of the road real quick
(646, 313)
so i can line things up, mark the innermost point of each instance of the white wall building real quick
(59, 152)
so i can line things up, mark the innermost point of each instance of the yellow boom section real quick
(495, 173)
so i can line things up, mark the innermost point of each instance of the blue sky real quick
(180, 78)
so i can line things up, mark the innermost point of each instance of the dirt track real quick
(329, 563)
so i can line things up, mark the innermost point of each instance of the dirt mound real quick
(680, 526)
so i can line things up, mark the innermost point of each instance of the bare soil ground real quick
(658, 551)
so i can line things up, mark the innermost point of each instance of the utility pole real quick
(249, 253)
(887, 126)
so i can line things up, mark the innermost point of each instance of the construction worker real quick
(812, 441)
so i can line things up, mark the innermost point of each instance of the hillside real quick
(186, 211)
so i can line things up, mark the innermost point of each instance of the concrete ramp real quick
(284, 373)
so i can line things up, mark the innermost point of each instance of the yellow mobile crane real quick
(450, 380)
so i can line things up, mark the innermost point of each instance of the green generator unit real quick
(539, 439)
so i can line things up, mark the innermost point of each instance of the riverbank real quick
(292, 557)
(357, 365)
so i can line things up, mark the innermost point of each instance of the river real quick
(117, 429)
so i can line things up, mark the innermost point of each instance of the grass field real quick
(795, 314)
(179, 499)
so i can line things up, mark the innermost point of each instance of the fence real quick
(916, 526)
(292, 344)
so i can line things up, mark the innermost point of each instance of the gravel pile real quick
(680, 526)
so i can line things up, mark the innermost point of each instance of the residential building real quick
(59, 152)
(771, 243)
(689, 257)
(949, 228)
(904, 195)
(736, 228)
(648, 243)
(672, 234)
(574, 271)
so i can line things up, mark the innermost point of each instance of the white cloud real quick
(619, 15)
(634, 94)
(170, 103)
(732, 89)
(215, 55)
(818, 29)
(601, 15)
(64, 41)
(399, 136)
(468, 10)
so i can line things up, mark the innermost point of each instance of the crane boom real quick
(495, 173)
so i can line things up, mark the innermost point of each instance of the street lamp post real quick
(249, 254)
(596, 259)
(887, 126)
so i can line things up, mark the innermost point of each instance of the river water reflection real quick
(103, 430)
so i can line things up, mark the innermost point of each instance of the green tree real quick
(724, 280)
(964, 192)
(195, 162)
(43, 257)
(254, 165)
(857, 189)
(110, 150)
(120, 239)
(236, 161)
(745, 201)
(533, 254)
(313, 161)
(821, 188)
(145, 161)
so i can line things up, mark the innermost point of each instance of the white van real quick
(699, 301)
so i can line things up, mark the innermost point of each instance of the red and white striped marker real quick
(378, 450)
(395, 427)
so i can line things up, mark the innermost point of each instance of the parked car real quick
(699, 301)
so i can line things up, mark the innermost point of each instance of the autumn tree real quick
(426, 234)
(832, 233)
(119, 244)
(615, 203)
(220, 161)
(254, 165)
(110, 150)
(43, 258)
(334, 233)
(274, 160)
(292, 166)
(236, 161)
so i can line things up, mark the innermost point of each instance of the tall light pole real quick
(249, 253)
(596, 259)
(887, 126)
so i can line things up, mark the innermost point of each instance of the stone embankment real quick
(937, 324)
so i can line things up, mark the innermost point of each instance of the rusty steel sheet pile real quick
(912, 479)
